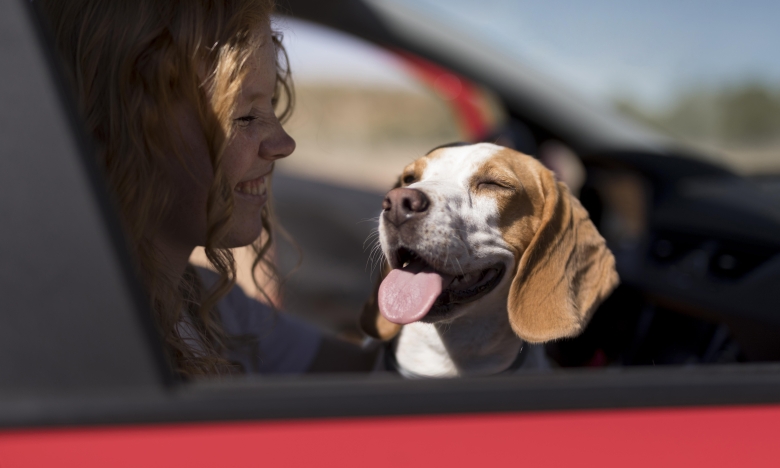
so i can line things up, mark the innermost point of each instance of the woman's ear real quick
(564, 274)
(372, 323)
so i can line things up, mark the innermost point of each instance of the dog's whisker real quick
(373, 257)
(371, 243)
(376, 257)
(461, 240)
(375, 250)
(460, 267)
(376, 253)
(369, 238)
(373, 265)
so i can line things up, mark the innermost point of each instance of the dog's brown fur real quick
(563, 269)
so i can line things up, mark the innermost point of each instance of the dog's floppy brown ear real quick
(372, 323)
(564, 274)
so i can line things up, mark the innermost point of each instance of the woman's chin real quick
(246, 234)
(247, 224)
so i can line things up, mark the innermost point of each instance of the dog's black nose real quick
(403, 204)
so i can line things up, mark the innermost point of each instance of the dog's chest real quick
(420, 349)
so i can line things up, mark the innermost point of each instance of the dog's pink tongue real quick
(407, 294)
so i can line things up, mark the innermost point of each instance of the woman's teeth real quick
(252, 187)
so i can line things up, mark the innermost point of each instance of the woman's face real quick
(258, 140)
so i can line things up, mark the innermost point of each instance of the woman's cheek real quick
(250, 139)
(237, 158)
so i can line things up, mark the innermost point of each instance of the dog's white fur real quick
(461, 234)
(488, 206)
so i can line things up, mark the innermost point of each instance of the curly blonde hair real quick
(130, 62)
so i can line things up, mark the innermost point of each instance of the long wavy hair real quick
(130, 63)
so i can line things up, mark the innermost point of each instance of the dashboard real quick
(697, 249)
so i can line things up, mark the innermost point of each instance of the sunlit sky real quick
(648, 51)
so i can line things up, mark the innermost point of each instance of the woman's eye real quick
(245, 120)
(408, 179)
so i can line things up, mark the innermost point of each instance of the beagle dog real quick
(484, 250)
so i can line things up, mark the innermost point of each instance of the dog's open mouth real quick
(414, 290)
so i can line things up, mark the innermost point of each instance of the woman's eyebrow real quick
(254, 96)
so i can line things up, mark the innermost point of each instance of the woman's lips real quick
(254, 187)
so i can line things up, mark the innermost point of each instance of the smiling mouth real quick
(457, 289)
(254, 187)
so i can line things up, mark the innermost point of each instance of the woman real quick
(181, 99)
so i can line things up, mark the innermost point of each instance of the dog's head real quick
(469, 226)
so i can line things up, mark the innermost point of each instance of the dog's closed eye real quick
(408, 179)
(494, 185)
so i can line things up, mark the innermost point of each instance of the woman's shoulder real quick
(237, 310)
(285, 344)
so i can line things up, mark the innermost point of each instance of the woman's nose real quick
(278, 145)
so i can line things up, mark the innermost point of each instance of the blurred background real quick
(703, 72)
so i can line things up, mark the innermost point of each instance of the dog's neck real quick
(481, 342)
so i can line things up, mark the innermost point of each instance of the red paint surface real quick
(710, 437)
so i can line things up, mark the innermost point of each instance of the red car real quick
(83, 379)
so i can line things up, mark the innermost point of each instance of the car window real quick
(364, 111)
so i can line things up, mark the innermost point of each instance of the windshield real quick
(705, 72)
